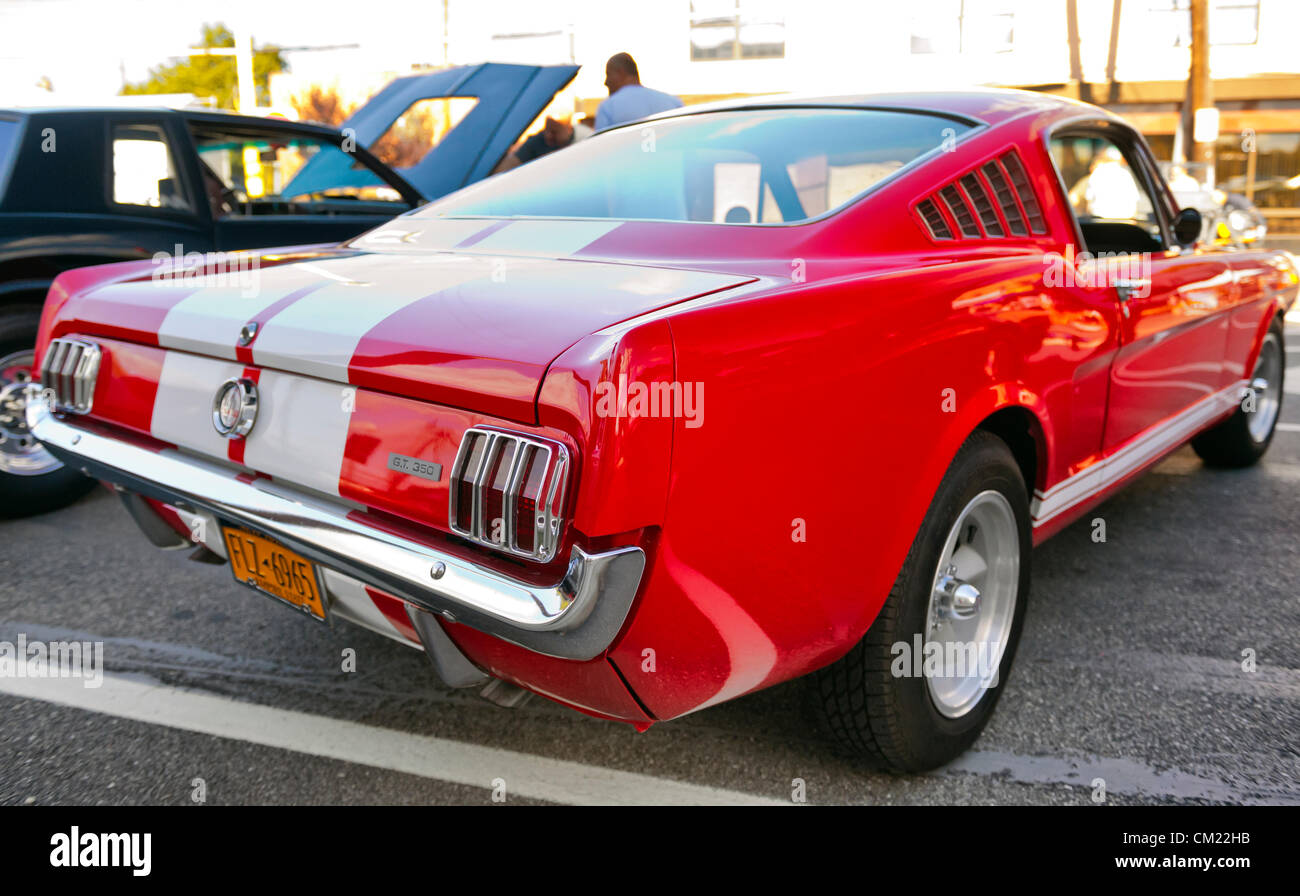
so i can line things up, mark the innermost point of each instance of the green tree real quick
(213, 76)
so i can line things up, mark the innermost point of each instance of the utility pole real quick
(243, 52)
(244, 70)
(1112, 53)
(1083, 90)
(1205, 117)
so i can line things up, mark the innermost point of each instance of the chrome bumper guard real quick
(576, 618)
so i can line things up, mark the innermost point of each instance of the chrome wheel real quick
(972, 603)
(1266, 388)
(20, 453)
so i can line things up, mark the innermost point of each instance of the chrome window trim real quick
(1102, 125)
(975, 127)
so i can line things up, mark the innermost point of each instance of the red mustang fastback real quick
(699, 405)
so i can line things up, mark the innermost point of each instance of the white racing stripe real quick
(550, 239)
(423, 234)
(319, 333)
(301, 430)
(1141, 450)
(209, 320)
(182, 409)
(532, 777)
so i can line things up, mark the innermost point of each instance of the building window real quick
(962, 26)
(1232, 22)
(736, 29)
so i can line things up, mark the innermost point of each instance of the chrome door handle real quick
(1127, 288)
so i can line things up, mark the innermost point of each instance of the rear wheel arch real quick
(879, 699)
(1022, 432)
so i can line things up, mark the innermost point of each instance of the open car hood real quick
(509, 98)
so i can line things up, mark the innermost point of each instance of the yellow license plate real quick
(275, 570)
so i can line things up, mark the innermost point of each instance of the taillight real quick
(69, 371)
(507, 492)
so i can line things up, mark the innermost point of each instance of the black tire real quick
(893, 720)
(28, 495)
(1231, 444)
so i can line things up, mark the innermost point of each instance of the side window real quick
(8, 140)
(279, 173)
(1112, 205)
(144, 171)
(420, 128)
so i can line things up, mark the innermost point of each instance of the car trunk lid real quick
(475, 331)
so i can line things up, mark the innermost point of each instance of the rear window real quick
(768, 166)
(423, 125)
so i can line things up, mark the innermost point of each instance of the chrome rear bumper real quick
(575, 618)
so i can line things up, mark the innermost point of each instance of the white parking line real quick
(1289, 427)
(1291, 382)
(1114, 776)
(1189, 465)
(534, 777)
(141, 698)
(1172, 672)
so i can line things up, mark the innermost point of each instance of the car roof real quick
(224, 119)
(991, 105)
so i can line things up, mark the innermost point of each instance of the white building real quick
(706, 49)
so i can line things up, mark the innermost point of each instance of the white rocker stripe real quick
(1144, 448)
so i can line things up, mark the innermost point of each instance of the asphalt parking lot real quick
(1130, 672)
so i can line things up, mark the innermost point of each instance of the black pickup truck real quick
(90, 186)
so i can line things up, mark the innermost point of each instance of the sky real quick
(83, 46)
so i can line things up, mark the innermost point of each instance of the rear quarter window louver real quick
(934, 219)
(1020, 181)
(983, 207)
(961, 212)
(993, 201)
(1006, 199)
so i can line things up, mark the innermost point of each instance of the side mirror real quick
(1187, 226)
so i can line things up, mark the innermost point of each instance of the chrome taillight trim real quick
(547, 525)
(69, 372)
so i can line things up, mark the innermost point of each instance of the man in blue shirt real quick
(628, 100)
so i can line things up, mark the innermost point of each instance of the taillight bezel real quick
(70, 373)
(547, 522)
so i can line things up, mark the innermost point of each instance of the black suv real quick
(89, 186)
